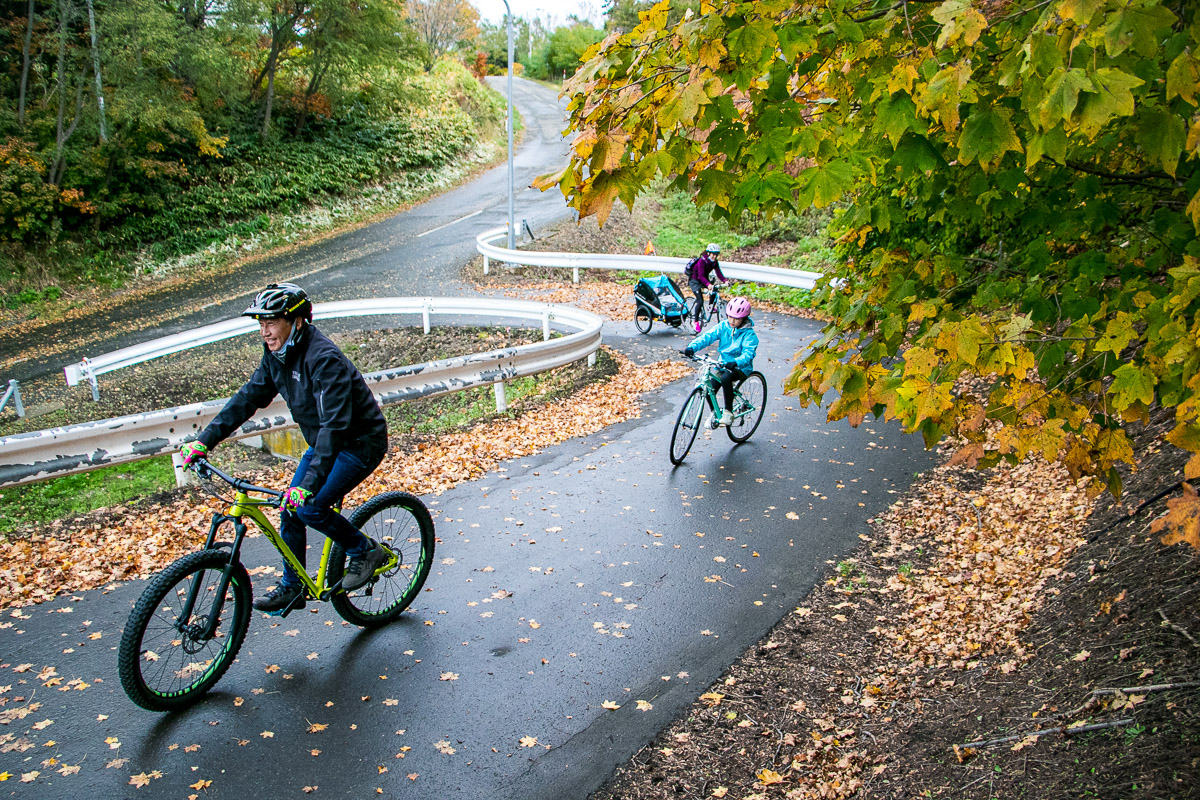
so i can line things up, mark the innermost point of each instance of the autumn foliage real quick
(1019, 195)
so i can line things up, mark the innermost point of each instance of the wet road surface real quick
(591, 573)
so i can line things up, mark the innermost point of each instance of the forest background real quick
(144, 134)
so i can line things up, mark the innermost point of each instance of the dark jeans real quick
(728, 378)
(697, 289)
(349, 470)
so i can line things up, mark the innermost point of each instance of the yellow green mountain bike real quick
(189, 623)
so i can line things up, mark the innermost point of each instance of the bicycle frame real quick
(246, 506)
(705, 379)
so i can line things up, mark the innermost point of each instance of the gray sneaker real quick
(362, 568)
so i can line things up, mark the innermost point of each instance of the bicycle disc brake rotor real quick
(192, 642)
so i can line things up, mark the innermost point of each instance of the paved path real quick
(585, 574)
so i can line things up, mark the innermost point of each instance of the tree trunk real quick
(25, 66)
(96, 69)
(318, 74)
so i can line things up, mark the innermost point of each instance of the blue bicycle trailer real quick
(659, 298)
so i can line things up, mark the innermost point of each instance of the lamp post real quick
(512, 229)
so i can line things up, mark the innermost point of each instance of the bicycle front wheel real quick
(400, 521)
(165, 660)
(749, 403)
(687, 426)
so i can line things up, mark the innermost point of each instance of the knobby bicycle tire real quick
(751, 390)
(164, 666)
(402, 522)
(687, 425)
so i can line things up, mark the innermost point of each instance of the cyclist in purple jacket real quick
(699, 272)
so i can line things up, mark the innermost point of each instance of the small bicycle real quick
(187, 627)
(714, 309)
(749, 403)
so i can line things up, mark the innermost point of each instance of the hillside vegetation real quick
(135, 132)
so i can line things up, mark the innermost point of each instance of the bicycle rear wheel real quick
(400, 521)
(749, 403)
(687, 425)
(163, 661)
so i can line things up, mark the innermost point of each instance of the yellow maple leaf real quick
(317, 727)
(139, 780)
(768, 777)
(528, 741)
(712, 698)
(1182, 519)
(200, 784)
(610, 705)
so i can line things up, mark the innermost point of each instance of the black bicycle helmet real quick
(280, 300)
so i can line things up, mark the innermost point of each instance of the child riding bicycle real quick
(340, 419)
(737, 344)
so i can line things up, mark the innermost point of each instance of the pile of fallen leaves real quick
(612, 300)
(125, 543)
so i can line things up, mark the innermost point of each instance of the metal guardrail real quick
(794, 278)
(50, 453)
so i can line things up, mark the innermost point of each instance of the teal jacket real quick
(735, 344)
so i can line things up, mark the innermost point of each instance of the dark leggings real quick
(728, 378)
(697, 289)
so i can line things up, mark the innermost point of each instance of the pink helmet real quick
(738, 308)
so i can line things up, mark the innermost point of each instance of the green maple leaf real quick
(1112, 98)
(823, 184)
(1081, 11)
(1062, 95)
(896, 116)
(1131, 384)
(1162, 135)
(715, 186)
(915, 154)
(1182, 77)
(1118, 333)
(987, 135)
(1052, 144)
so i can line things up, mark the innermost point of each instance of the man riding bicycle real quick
(699, 273)
(339, 418)
(737, 344)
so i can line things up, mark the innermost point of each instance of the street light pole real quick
(512, 229)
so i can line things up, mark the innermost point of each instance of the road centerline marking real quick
(448, 224)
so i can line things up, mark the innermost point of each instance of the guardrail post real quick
(501, 397)
(545, 326)
(182, 476)
(14, 391)
(592, 359)
(86, 368)
(486, 264)
(425, 316)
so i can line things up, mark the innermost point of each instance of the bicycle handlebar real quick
(205, 469)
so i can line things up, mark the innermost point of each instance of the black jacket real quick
(328, 399)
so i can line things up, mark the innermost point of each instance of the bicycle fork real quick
(198, 580)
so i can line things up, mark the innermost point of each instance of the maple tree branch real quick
(1063, 730)
(1137, 179)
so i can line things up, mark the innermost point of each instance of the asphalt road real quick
(591, 573)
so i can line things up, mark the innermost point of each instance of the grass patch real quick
(71, 495)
